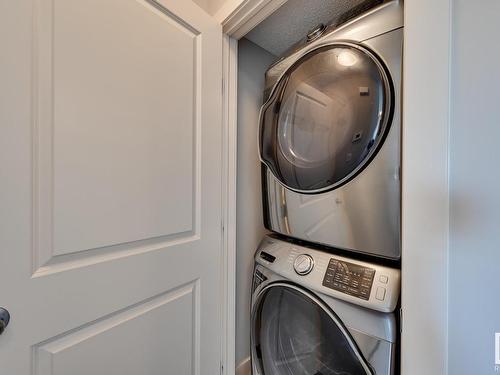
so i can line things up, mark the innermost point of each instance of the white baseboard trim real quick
(244, 368)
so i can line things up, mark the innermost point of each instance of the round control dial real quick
(303, 264)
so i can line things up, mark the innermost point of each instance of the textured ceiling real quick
(293, 20)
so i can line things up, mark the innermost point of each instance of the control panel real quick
(366, 284)
(349, 278)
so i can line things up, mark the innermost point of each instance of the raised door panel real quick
(116, 147)
(155, 337)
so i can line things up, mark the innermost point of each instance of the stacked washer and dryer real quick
(327, 282)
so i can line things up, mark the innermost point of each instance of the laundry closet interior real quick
(318, 162)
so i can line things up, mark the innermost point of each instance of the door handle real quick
(4, 319)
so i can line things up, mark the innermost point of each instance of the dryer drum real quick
(326, 117)
(294, 332)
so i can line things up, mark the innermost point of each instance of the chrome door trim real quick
(257, 299)
(385, 123)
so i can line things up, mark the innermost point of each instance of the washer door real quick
(326, 118)
(295, 333)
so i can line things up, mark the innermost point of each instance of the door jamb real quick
(229, 165)
(238, 17)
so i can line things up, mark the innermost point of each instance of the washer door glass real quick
(326, 118)
(295, 334)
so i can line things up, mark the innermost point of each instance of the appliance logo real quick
(497, 351)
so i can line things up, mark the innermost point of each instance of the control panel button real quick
(380, 295)
(303, 264)
(383, 279)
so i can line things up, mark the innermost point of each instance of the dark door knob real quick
(4, 319)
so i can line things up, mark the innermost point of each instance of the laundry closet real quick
(318, 169)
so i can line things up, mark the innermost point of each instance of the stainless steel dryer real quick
(330, 136)
(316, 313)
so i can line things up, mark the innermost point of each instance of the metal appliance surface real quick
(330, 137)
(300, 324)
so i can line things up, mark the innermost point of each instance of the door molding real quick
(424, 251)
(425, 187)
(238, 17)
(229, 166)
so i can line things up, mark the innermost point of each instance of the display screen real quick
(349, 278)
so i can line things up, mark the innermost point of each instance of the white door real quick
(110, 187)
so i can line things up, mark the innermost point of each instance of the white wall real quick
(253, 62)
(474, 299)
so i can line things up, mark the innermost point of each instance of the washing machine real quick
(330, 136)
(321, 314)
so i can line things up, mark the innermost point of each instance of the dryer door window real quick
(295, 333)
(326, 118)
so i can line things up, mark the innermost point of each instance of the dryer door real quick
(295, 333)
(326, 118)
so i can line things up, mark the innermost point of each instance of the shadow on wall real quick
(253, 62)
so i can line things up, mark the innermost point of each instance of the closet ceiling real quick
(294, 19)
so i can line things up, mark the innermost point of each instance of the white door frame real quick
(426, 98)
(229, 165)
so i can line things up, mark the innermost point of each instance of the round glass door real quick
(326, 118)
(294, 333)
